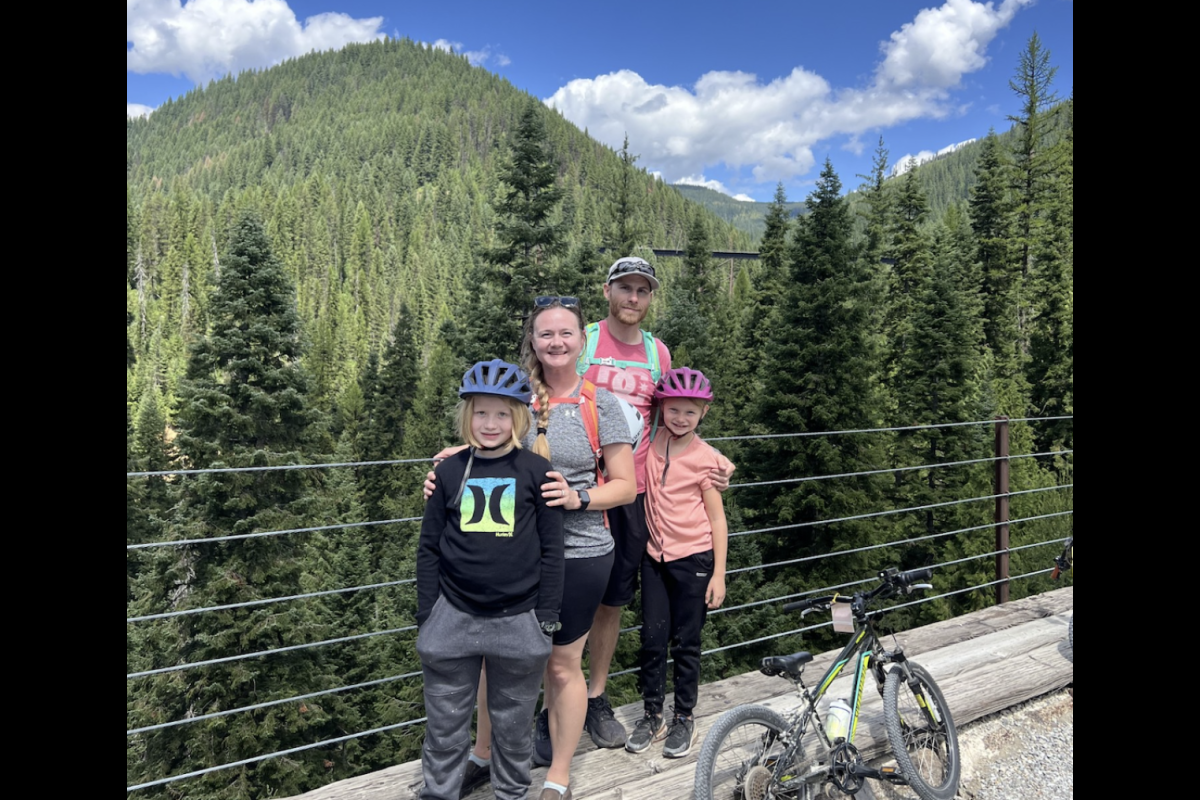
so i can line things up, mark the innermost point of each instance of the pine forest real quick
(316, 252)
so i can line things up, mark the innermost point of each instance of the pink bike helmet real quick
(684, 382)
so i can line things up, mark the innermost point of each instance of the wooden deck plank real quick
(983, 662)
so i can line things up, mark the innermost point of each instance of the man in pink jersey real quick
(628, 362)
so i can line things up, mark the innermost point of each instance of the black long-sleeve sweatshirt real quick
(500, 550)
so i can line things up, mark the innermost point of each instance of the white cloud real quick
(476, 58)
(942, 44)
(137, 110)
(772, 128)
(699, 180)
(908, 161)
(715, 185)
(208, 38)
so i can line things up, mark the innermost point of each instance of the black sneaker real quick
(680, 737)
(543, 752)
(650, 728)
(601, 725)
(474, 777)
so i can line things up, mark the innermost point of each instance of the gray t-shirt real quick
(571, 454)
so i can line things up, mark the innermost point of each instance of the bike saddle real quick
(786, 665)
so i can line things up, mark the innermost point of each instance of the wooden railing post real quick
(1002, 488)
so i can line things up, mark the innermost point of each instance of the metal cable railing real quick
(408, 723)
(892, 511)
(150, 729)
(261, 534)
(880, 430)
(406, 581)
(633, 629)
(894, 470)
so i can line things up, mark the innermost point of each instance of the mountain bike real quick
(754, 753)
(1062, 563)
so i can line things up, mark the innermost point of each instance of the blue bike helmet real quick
(498, 378)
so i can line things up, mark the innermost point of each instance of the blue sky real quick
(737, 97)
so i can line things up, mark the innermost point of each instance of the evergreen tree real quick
(1052, 338)
(990, 220)
(822, 374)
(244, 404)
(149, 498)
(938, 382)
(689, 299)
(626, 230)
(879, 208)
(910, 265)
(389, 400)
(756, 311)
(1034, 165)
(529, 239)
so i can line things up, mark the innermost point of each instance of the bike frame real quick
(870, 658)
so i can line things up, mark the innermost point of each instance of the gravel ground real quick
(1023, 752)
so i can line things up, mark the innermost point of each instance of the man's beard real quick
(627, 316)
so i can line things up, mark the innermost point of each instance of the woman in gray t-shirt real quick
(554, 338)
(585, 530)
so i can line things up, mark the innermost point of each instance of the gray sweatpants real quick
(453, 645)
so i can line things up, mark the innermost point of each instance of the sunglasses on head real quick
(545, 301)
(632, 265)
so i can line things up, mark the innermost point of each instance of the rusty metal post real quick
(1002, 489)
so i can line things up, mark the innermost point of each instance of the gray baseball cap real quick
(632, 265)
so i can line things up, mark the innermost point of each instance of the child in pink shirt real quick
(683, 569)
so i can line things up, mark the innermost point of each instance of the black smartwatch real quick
(549, 628)
(584, 500)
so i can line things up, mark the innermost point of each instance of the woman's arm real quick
(439, 458)
(715, 594)
(620, 488)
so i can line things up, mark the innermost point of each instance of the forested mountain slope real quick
(374, 170)
(317, 251)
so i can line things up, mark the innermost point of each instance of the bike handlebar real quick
(892, 582)
(913, 575)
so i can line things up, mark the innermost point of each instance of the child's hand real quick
(715, 595)
(429, 484)
(720, 475)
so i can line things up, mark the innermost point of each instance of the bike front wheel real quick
(921, 733)
(738, 758)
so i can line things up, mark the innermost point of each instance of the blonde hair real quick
(518, 410)
(533, 368)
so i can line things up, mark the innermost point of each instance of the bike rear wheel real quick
(738, 756)
(921, 733)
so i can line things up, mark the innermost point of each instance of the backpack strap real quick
(591, 423)
(590, 415)
(588, 357)
(652, 356)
